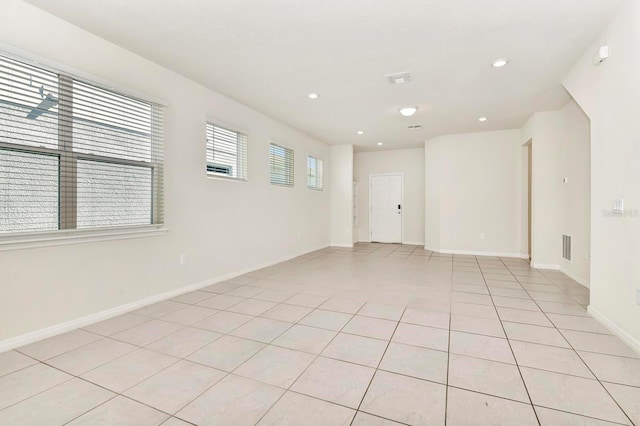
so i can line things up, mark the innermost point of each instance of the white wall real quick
(472, 186)
(610, 95)
(561, 148)
(409, 162)
(341, 178)
(222, 226)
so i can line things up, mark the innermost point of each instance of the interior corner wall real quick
(341, 181)
(472, 187)
(409, 162)
(222, 226)
(609, 95)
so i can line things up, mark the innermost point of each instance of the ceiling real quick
(270, 54)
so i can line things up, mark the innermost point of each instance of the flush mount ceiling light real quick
(499, 63)
(360, 132)
(408, 111)
(313, 96)
(482, 119)
(379, 143)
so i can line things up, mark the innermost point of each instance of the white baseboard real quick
(574, 277)
(34, 336)
(476, 253)
(612, 327)
(545, 266)
(341, 245)
(414, 243)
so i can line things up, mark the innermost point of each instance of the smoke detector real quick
(399, 78)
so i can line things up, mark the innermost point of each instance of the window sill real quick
(60, 238)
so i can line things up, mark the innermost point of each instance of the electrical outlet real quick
(483, 236)
(183, 259)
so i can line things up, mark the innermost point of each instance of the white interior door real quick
(386, 208)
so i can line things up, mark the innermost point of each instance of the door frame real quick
(371, 176)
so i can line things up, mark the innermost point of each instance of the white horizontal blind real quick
(74, 155)
(226, 152)
(314, 173)
(280, 165)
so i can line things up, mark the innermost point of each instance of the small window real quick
(280, 165)
(226, 152)
(314, 173)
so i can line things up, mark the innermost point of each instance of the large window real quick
(74, 155)
(226, 152)
(280, 165)
(314, 173)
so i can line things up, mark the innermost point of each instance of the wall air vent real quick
(566, 247)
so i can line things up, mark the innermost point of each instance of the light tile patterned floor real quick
(375, 335)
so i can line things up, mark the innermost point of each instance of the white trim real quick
(545, 266)
(413, 243)
(401, 203)
(477, 253)
(614, 328)
(584, 282)
(341, 245)
(60, 238)
(34, 336)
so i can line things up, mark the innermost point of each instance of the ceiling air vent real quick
(566, 247)
(399, 78)
(415, 127)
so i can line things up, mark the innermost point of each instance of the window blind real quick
(314, 173)
(74, 155)
(280, 165)
(226, 152)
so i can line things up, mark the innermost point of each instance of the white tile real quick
(550, 417)
(233, 401)
(294, 409)
(357, 349)
(465, 408)
(143, 334)
(116, 324)
(276, 366)
(426, 337)
(85, 358)
(184, 342)
(550, 358)
(57, 405)
(288, 313)
(56, 345)
(27, 382)
(370, 327)
(629, 399)
(344, 305)
(426, 318)
(486, 347)
(335, 381)
(405, 399)
(13, 361)
(417, 362)
(252, 307)
(600, 343)
(615, 369)
(129, 370)
(226, 353)
(326, 319)
(189, 315)
(176, 386)
(261, 329)
(379, 310)
(223, 322)
(487, 327)
(306, 339)
(121, 411)
(535, 334)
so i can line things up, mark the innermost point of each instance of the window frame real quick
(291, 173)
(67, 232)
(237, 130)
(319, 172)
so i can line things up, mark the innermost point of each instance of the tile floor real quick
(375, 335)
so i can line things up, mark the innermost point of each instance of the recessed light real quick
(499, 63)
(408, 111)
(360, 132)
(483, 119)
(313, 96)
(379, 143)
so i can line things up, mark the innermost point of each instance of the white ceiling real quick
(269, 54)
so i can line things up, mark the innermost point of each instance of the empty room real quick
(297, 212)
